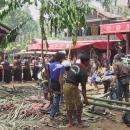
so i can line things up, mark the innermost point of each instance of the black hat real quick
(84, 56)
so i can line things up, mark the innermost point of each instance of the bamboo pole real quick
(105, 95)
(108, 47)
(69, 52)
(109, 101)
(109, 106)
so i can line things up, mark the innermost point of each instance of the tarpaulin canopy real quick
(122, 27)
(65, 45)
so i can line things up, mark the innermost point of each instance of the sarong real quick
(72, 98)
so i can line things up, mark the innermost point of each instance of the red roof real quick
(65, 45)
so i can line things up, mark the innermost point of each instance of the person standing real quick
(26, 72)
(35, 70)
(121, 72)
(17, 69)
(56, 70)
(7, 70)
(75, 75)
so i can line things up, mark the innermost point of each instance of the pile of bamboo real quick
(111, 104)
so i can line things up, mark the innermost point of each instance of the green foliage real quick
(59, 14)
(64, 14)
(11, 14)
(20, 15)
(106, 3)
(10, 5)
(10, 36)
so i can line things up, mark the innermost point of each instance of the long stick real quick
(109, 101)
(109, 106)
(69, 52)
(108, 47)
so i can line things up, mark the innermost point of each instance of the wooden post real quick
(42, 55)
(108, 47)
(127, 42)
(69, 53)
(109, 106)
(109, 101)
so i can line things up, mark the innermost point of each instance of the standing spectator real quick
(95, 65)
(122, 77)
(17, 69)
(56, 78)
(26, 72)
(1, 72)
(104, 60)
(35, 70)
(7, 71)
(75, 75)
(106, 79)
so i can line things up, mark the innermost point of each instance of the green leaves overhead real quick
(59, 14)
(11, 35)
(107, 3)
(8, 14)
(10, 5)
(70, 14)
(74, 15)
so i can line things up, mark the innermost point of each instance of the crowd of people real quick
(61, 78)
(22, 69)
(64, 78)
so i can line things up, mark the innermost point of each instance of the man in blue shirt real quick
(56, 81)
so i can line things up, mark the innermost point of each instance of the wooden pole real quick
(69, 52)
(108, 47)
(127, 42)
(109, 106)
(109, 101)
(42, 55)
(3, 72)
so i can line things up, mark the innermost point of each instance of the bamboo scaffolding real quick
(109, 101)
(109, 106)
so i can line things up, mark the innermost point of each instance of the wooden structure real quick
(4, 30)
(116, 28)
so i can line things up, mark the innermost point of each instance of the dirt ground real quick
(99, 125)
(105, 125)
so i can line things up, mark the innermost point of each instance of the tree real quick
(6, 7)
(106, 4)
(64, 14)
(19, 16)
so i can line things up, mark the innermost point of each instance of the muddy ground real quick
(105, 124)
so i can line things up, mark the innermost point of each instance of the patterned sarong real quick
(72, 98)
